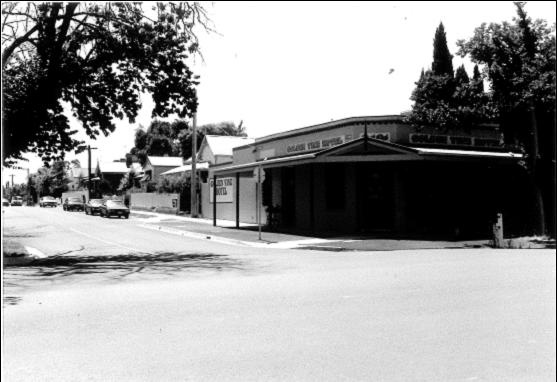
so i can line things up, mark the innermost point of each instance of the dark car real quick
(5, 202)
(48, 201)
(93, 206)
(73, 204)
(114, 208)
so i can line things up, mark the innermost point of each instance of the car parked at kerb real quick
(73, 204)
(5, 202)
(93, 206)
(17, 201)
(114, 208)
(48, 201)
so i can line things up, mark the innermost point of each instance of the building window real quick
(335, 190)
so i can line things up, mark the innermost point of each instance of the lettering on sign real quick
(296, 148)
(461, 141)
(314, 145)
(454, 140)
(329, 142)
(485, 142)
(225, 192)
(379, 136)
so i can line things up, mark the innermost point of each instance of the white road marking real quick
(106, 241)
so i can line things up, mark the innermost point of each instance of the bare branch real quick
(7, 53)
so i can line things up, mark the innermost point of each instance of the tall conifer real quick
(442, 58)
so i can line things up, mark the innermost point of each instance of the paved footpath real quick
(248, 235)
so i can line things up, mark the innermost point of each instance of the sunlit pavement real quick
(115, 302)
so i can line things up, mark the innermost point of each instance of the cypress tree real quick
(442, 58)
(461, 77)
(478, 80)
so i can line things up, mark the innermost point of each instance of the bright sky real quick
(281, 66)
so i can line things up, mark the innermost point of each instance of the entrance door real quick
(375, 199)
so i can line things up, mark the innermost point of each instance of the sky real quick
(281, 66)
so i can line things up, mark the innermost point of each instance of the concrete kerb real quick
(160, 216)
(24, 257)
(201, 236)
(224, 240)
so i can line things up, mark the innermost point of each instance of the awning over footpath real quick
(369, 150)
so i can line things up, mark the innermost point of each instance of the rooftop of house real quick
(165, 161)
(112, 167)
(223, 144)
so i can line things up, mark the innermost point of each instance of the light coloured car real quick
(17, 201)
(48, 201)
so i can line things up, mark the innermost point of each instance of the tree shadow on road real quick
(76, 268)
(161, 262)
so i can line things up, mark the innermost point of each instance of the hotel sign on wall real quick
(224, 190)
(315, 145)
(453, 140)
(331, 142)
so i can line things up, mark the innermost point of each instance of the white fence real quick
(151, 201)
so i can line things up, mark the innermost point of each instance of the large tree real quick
(446, 99)
(442, 58)
(519, 61)
(99, 58)
(52, 180)
(176, 138)
(185, 137)
(159, 139)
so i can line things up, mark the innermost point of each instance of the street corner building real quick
(374, 175)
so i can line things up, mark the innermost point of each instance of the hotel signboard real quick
(225, 192)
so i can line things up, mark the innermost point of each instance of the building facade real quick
(374, 175)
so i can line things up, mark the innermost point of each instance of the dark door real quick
(375, 190)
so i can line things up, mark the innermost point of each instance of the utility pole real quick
(193, 187)
(89, 148)
(88, 172)
(28, 183)
(12, 175)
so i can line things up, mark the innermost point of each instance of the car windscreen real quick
(74, 200)
(115, 203)
(48, 198)
(95, 202)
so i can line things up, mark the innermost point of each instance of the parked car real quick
(48, 201)
(5, 202)
(93, 206)
(17, 201)
(114, 208)
(73, 204)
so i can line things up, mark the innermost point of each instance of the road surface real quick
(117, 302)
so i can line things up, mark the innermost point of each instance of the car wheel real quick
(127, 216)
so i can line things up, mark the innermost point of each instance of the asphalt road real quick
(117, 302)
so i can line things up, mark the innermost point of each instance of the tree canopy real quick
(163, 138)
(519, 62)
(98, 58)
(442, 58)
(446, 99)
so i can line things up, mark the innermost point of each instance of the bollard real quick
(498, 231)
